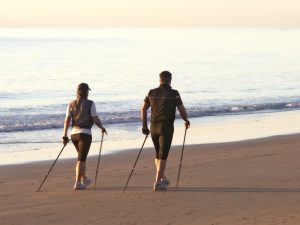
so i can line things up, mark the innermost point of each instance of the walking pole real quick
(98, 161)
(181, 160)
(51, 168)
(135, 163)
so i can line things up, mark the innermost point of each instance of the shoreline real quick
(245, 182)
(203, 130)
(131, 150)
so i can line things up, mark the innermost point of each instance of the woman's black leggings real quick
(82, 143)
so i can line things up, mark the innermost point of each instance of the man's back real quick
(163, 101)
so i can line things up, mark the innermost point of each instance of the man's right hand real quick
(146, 130)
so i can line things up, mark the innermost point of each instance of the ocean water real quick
(218, 71)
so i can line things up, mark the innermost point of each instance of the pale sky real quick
(119, 13)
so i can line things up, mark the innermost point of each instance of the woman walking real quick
(82, 113)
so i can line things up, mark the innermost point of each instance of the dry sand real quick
(249, 182)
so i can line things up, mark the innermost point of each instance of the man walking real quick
(163, 102)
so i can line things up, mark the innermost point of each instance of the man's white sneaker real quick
(158, 186)
(79, 186)
(87, 181)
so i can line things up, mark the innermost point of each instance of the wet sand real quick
(248, 182)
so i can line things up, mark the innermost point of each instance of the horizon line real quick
(137, 27)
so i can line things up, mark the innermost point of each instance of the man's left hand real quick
(187, 124)
(146, 130)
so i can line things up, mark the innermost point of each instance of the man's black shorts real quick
(162, 135)
(82, 143)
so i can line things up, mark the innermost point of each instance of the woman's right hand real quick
(104, 131)
(65, 140)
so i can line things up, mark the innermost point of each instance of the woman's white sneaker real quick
(158, 186)
(87, 181)
(79, 186)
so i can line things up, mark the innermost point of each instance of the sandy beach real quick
(238, 183)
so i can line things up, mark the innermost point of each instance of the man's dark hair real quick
(165, 76)
(83, 90)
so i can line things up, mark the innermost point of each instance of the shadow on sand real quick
(209, 189)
